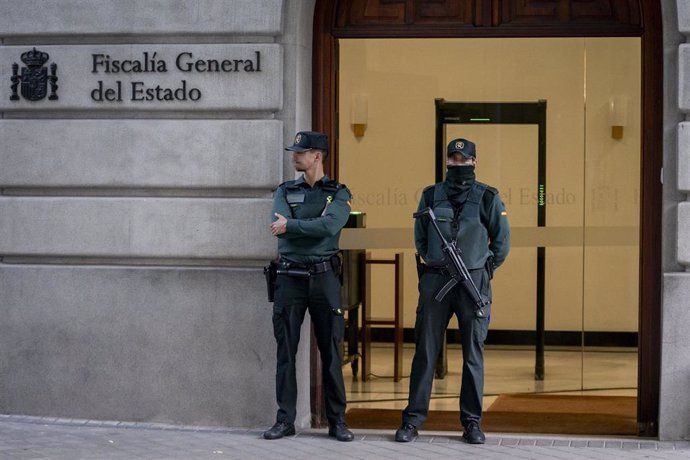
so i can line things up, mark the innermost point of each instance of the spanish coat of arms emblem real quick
(34, 78)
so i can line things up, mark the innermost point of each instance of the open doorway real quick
(590, 234)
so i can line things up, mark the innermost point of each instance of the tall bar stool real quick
(367, 320)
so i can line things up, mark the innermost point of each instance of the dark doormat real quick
(525, 413)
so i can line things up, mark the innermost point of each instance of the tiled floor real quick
(610, 371)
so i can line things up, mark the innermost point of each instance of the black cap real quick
(308, 140)
(462, 146)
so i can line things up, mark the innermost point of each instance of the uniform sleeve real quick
(281, 206)
(499, 231)
(421, 241)
(333, 220)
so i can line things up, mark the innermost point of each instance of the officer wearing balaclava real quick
(472, 215)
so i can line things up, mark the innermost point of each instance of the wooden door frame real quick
(325, 119)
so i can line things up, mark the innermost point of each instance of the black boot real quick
(279, 430)
(406, 433)
(340, 432)
(473, 434)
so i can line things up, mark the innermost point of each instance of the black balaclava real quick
(457, 176)
(457, 184)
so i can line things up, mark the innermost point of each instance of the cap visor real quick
(296, 148)
(458, 152)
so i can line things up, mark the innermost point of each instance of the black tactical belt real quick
(303, 270)
(437, 270)
(444, 270)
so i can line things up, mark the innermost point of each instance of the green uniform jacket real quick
(315, 216)
(493, 217)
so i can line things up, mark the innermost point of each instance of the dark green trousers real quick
(430, 329)
(319, 294)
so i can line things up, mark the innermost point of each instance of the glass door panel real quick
(611, 214)
(591, 195)
(508, 160)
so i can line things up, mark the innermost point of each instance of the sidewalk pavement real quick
(60, 439)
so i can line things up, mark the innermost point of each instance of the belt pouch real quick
(270, 272)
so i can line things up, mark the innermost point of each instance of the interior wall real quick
(592, 193)
(612, 178)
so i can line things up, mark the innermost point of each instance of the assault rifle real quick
(456, 268)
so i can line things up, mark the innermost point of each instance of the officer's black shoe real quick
(473, 434)
(406, 433)
(279, 430)
(340, 432)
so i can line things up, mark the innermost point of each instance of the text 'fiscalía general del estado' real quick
(185, 62)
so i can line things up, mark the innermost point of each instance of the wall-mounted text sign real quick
(142, 77)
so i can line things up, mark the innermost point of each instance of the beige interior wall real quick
(592, 179)
(612, 182)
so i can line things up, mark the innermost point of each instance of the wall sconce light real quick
(359, 116)
(618, 115)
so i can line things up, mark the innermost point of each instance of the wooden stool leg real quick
(365, 283)
(399, 290)
(442, 361)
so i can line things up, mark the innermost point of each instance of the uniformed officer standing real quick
(309, 214)
(471, 214)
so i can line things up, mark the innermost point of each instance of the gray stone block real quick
(684, 78)
(683, 172)
(141, 153)
(674, 411)
(185, 346)
(137, 227)
(152, 77)
(683, 16)
(145, 17)
(676, 320)
(684, 233)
